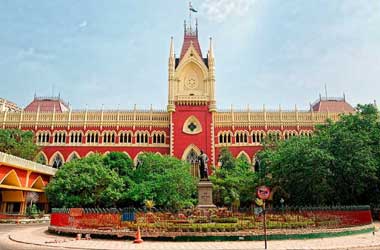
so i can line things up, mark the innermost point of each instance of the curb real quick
(377, 246)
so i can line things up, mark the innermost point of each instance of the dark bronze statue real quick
(203, 169)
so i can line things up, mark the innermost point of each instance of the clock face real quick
(191, 83)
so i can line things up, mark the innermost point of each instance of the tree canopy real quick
(112, 180)
(235, 182)
(85, 182)
(19, 143)
(165, 180)
(339, 164)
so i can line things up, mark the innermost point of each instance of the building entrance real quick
(192, 158)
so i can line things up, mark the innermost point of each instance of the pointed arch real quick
(106, 153)
(188, 150)
(12, 179)
(57, 160)
(127, 154)
(158, 153)
(192, 126)
(41, 158)
(73, 156)
(38, 183)
(89, 153)
(135, 160)
(244, 154)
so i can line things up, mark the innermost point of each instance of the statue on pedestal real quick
(203, 169)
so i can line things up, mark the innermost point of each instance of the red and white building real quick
(190, 123)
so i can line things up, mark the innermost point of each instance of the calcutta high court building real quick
(190, 123)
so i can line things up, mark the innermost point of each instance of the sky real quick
(115, 52)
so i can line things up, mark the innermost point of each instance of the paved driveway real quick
(37, 234)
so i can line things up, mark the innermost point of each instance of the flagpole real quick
(190, 15)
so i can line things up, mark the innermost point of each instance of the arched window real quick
(57, 161)
(225, 137)
(43, 137)
(306, 133)
(158, 137)
(288, 134)
(274, 135)
(142, 137)
(109, 137)
(125, 137)
(241, 136)
(260, 135)
(73, 156)
(41, 158)
(92, 137)
(76, 137)
(59, 137)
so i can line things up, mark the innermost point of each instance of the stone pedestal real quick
(205, 195)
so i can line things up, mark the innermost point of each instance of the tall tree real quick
(165, 180)
(235, 182)
(85, 182)
(340, 164)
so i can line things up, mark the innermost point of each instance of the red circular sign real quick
(263, 192)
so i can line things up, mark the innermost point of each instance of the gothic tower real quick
(191, 97)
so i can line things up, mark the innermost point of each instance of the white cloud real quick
(219, 10)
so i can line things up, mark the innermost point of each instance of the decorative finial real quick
(171, 47)
(211, 48)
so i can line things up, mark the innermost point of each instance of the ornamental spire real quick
(211, 49)
(171, 53)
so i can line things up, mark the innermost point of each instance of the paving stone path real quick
(38, 238)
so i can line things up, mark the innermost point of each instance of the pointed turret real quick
(171, 54)
(211, 49)
(171, 57)
(191, 38)
(171, 71)
(211, 66)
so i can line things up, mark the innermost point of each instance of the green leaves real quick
(338, 165)
(234, 184)
(165, 180)
(19, 143)
(110, 181)
(85, 183)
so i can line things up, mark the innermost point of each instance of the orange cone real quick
(138, 237)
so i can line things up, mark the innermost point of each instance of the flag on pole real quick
(191, 8)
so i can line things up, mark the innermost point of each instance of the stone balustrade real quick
(7, 159)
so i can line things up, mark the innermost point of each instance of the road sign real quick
(263, 192)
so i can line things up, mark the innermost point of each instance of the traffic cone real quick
(138, 236)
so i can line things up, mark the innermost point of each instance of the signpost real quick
(263, 192)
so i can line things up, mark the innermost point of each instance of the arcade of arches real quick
(18, 178)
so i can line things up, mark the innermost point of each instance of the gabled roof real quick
(47, 104)
(332, 104)
(190, 38)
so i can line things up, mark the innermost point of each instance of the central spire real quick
(190, 38)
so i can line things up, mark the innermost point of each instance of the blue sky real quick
(115, 52)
